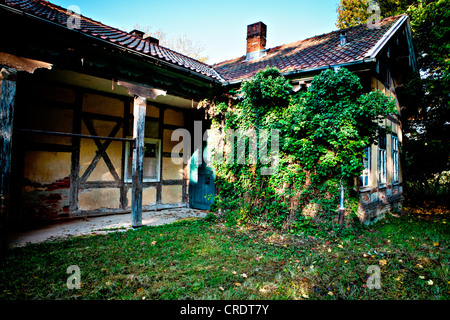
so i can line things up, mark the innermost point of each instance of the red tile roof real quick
(310, 53)
(59, 15)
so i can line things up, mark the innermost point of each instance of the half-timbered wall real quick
(65, 176)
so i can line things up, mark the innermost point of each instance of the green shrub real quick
(322, 132)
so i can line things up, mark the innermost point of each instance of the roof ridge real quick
(306, 39)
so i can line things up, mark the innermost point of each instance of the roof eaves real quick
(300, 71)
(372, 53)
(122, 48)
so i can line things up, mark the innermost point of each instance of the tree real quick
(182, 44)
(426, 120)
(352, 13)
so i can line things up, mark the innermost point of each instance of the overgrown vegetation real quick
(205, 260)
(426, 120)
(322, 134)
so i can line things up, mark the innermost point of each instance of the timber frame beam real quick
(141, 93)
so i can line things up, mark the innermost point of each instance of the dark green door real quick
(201, 184)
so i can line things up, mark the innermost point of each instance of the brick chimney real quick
(256, 40)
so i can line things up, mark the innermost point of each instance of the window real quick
(152, 157)
(382, 159)
(395, 166)
(365, 177)
(388, 78)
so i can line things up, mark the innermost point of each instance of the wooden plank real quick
(140, 106)
(103, 117)
(7, 101)
(173, 127)
(184, 194)
(101, 151)
(98, 184)
(50, 147)
(172, 182)
(162, 108)
(126, 129)
(75, 158)
(83, 136)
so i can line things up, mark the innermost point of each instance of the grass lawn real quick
(199, 259)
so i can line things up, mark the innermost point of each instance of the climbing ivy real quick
(323, 132)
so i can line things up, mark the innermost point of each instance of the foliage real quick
(426, 121)
(427, 148)
(199, 260)
(322, 134)
(352, 13)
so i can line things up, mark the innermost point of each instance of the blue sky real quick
(218, 26)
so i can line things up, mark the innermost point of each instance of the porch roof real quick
(56, 14)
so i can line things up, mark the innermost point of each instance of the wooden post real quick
(7, 100)
(141, 93)
(140, 105)
(75, 157)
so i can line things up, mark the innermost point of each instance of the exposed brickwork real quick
(46, 201)
(256, 37)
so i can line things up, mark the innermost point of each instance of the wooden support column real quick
(7, 100)
(141, 93)
(140, 105)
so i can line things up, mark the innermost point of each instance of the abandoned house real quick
(87, 111)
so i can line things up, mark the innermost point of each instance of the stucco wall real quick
(45, 171)
(46, 189)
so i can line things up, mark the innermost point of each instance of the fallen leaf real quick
(436, 244)
(153, 243)
(419, 265)
(430, 282)
(244, 275)
(221, 289)
(237, 284)
(233, 272)
(330, 293)
(142, 243)
(382, 262)
(340, 246)
(421, 277)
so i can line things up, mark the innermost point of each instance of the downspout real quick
(341, 206)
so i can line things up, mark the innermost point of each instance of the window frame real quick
(395, 160)
(128, 179)
(382, 161)
(365, 175)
